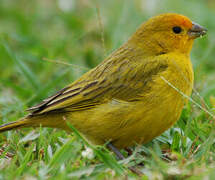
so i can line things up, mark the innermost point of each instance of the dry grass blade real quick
(7, 154)
(189, 98)
(65, 63)
(101, 28)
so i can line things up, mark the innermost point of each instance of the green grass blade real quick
(25, 161)
(61, 155)
(28, 74)
(101, 153)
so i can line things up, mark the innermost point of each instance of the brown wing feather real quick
(47, 100)
(113, 79)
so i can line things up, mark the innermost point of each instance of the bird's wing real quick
(110, 80)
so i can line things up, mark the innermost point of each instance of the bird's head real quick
(167, 33)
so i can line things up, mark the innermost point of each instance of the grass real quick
(82, 35)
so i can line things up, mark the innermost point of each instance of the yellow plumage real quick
(134, 95)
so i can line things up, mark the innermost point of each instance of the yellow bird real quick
(134, 95)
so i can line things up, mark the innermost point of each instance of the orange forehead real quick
(183, 20)
(176, 19)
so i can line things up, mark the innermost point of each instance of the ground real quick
(45, 45)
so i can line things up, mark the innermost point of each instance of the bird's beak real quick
(197, 31)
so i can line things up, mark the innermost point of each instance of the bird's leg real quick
(121, 157)
(116, 151)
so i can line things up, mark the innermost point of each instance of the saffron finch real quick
(134, 95)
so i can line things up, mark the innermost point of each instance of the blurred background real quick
(82, 33)
(47, 44)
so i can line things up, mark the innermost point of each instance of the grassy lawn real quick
(45, 45)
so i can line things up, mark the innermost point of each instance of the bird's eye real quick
(177, 29)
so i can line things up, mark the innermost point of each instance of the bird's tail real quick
(52, 120)
(14, 125)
